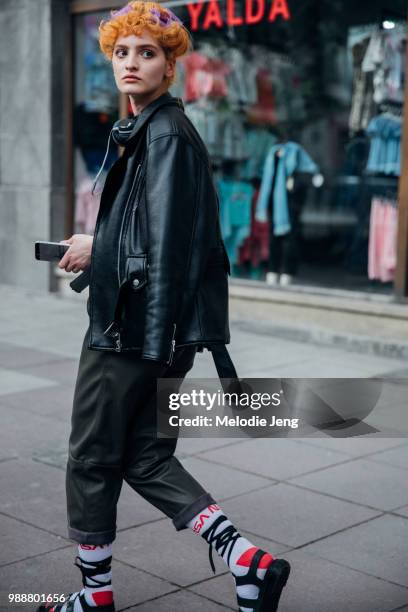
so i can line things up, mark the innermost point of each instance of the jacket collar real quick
(125, 130)
(134, 124)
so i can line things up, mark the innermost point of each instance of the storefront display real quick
(279, 96)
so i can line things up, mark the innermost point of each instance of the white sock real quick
(97, 594)
(236, 551)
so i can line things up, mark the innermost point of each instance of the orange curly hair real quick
(135, 17)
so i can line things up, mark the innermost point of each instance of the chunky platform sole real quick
(274, 581)
(70, 607)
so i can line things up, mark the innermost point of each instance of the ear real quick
(170, 67)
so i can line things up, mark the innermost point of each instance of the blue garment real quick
(235, 214)
(385, 150)
(258, 141)
(294, 158)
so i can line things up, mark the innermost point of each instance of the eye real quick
(149, 51)
(119, 51)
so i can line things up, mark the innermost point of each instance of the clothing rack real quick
(371, 180)
(392, 108)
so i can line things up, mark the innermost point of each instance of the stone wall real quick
(32, 175)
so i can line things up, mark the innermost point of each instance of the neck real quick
(138, 103)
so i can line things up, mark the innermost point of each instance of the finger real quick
(69, 267)
(64, 261)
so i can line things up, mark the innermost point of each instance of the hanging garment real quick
(255, 248)
(86, 206)
(257, 142)
(264, 111)
(208, 123)
(382, 244)
(293, 158)
(385, 133)
(362, 104)
(204, 76)
(235, 214)
(241, 80)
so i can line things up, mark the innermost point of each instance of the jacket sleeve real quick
(172, 183)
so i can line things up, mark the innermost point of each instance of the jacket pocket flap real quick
(136, 271)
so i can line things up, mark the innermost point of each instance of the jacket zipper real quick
(113, 331)
(125, 214)
(172, 346)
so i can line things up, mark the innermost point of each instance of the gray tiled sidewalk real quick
(337, 509)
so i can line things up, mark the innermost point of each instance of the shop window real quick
(301, 112)
(95, 110)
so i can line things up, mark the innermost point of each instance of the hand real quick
(78, 256)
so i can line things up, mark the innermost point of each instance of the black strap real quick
(82, 281)
(223, 361)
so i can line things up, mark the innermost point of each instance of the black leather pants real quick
(113, 437)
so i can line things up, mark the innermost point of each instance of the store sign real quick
(209, 13)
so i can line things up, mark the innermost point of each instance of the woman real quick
(158, 293)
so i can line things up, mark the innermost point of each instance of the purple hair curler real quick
(165, 17)
(123, 11)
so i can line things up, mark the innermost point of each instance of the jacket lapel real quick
(150, 109)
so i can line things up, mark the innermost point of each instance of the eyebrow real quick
(137, 46)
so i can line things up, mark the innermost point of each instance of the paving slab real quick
(402, 511)
(183, 558)
(182, 601)
(346, 589)
(373, 484)
(222, 481)
(395, 456)
(293, 516)
(326, 369)
(23, 433)
(355, 447)
(12, 381)
(274, 458)
(391, 418)
(19, 541)
(192, 446)
(16, 357)
(62, 371)
(35, 493)
(54, 402)
(378, 547)
(281, 353)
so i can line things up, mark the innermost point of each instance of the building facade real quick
(301, 105)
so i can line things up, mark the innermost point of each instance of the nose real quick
(131, 62)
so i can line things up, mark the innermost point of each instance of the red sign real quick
(210, 13)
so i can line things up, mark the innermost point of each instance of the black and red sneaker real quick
(71, 604)
(270, 586)
(76, 602)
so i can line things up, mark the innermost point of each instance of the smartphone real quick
(50, 251)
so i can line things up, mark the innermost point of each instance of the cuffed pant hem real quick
(189, 512)
(87, 537)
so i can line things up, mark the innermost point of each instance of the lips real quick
(131, 78)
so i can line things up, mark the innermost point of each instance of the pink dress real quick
(382, 244)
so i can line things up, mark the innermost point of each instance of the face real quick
(140, 65)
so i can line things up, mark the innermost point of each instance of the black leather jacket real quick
(158, 274)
